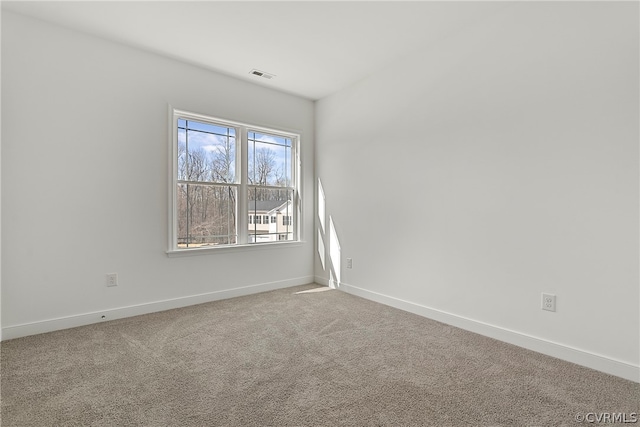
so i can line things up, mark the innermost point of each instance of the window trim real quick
(242, 212)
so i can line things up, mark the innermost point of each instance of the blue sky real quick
(212, 138)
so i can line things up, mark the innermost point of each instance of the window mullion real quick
(242, 214)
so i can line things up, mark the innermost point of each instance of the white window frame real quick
(241, 184)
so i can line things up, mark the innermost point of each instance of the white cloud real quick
(206, 142)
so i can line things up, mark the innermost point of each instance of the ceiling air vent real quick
(262, 74)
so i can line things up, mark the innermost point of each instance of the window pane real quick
(206, 153)
(283, 166)
(269, 160)
(223, 160)
(182, 154)
(210, 127)
(251, 164)
(274, 139)
(275, 204)
(263, 163)
(206, 215)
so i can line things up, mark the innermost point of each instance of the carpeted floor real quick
(286, 359)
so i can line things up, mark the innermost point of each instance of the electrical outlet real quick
(549, 302)
(112, 279)
(349, 262)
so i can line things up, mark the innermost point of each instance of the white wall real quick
(472, 176)
(84, 180)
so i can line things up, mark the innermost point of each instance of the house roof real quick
(265, 205)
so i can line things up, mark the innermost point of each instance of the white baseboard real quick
(23, 330)
(580, 357)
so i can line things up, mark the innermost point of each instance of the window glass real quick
(209, 182)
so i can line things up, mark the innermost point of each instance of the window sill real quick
(175, 253)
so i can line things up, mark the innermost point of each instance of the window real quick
(226, 176)
(286, 220)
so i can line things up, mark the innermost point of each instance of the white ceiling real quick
(313, 48)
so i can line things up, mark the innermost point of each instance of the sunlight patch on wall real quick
(321, 248)
(334, 253)
(321, 202)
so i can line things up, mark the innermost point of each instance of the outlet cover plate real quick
(549, 302)
(112, 279)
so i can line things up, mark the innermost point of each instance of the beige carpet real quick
(286, 359)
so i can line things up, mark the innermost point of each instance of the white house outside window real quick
(229, 179)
